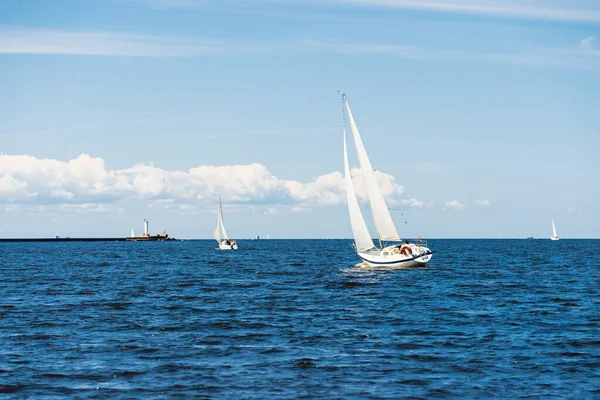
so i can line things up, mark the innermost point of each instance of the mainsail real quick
(220, 229)
(554, 230)
(381, 215)
(362, 238)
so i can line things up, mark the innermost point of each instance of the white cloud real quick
(27, 40)
(482, 203)
(454, 205)
(86, 180)
(297, 209)
(560, 10)
(86, 208)
(587, 43)
(413, 203)
(12, 207)
(271, 211)
(9, 186)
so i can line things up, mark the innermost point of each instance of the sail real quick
(554, 230)
(132, 234)
(381, 215)
(220, 229)
(362, 238)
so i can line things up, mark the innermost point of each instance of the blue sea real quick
(297, 319)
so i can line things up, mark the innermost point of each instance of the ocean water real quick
(297, 318)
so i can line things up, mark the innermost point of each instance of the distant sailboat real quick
(224, 242)
(407, 255)
(554, 235)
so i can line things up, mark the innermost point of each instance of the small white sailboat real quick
(554, 235)
(224, 242)
(407, 255)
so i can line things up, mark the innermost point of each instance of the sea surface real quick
(297, 319)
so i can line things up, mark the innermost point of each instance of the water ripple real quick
(488, 318)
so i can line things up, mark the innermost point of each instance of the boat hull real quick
(554, 238)
(225, 246)
(387, 258)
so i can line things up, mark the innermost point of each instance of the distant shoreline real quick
(122, 239)
(62, 239)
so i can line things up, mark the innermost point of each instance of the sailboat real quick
(554, 235)
(224, 242)
(407, 255)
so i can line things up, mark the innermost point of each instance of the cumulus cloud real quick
(454, 205)
(483, 203)
(86, 180)
(9, 186)
(413, 203)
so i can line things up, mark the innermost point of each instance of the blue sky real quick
(482, 117)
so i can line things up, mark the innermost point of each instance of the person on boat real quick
(405, 248)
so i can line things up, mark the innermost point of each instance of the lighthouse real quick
(144, 237)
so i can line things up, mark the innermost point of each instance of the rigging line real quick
(343, 109)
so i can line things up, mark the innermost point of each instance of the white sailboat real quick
(554, 235)
(224, 242)
(407, 255)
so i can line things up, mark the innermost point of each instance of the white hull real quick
(225, 246)
(391, 257)
(554, 238)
